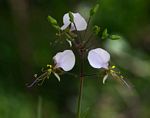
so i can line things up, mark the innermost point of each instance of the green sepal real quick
(94, 10)
(115, 37)
(71, 17)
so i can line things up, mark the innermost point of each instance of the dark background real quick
(27, 45)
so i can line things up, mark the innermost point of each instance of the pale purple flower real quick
(79, 22)
(99, 58)
(65, 60)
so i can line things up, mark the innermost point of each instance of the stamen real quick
(113, 67)
(48, 65)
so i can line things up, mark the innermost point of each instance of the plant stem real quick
(87, 26)
(80, 89)
(39, 107)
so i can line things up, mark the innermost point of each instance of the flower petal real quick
(105, 78)
(57, 76)
(99, 58)
(65, 60)
(66, 21)
(79, 21)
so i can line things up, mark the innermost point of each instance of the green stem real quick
(87, 26)
(39, 107)
(80, 38)
(80, 98)
(80, 89)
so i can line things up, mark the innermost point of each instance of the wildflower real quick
(99, 58)
(64, 60)
(78, 23)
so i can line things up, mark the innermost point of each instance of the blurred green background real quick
(27, 45)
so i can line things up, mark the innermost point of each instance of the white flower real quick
(99, 58)
(79, 22)
(65, 60)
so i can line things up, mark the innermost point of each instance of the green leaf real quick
(115, 37)
(94, 10)
(71, 17)
(96, 29)
(105, 34)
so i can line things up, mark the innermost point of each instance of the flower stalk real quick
(64, 61)
(80, 87)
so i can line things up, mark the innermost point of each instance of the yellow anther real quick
(49, 70)
(113, 67)
(48, 65)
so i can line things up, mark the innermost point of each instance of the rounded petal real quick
(72, 28)
(80, 22)
(65, 60)
(64, 26)
(98, 58)
(66, 21)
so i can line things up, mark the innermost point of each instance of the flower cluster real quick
(73, 25)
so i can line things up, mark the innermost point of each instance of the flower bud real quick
(71, 17)
(94, 10)
(52, 20)
(114, 37)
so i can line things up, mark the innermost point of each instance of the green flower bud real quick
(94, 10)
(56, 27)
(71, 17)
(52, 20)
(114, 37)
(96, 29)
(105, 34)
